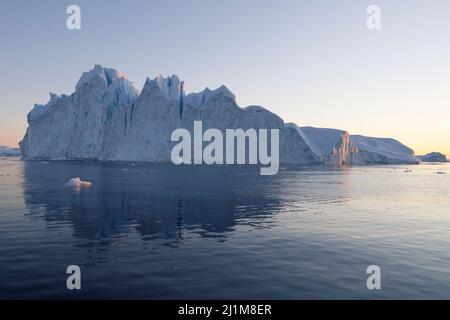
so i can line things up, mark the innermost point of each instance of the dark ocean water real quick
(160, 231)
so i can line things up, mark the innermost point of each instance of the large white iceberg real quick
(106, 118)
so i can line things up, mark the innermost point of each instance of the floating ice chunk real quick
(78, 183)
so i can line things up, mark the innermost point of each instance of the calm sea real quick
(166, 232)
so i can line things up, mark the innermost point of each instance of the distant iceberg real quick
(106, 118)
(9, 152)
(338, 147)
(433, 157)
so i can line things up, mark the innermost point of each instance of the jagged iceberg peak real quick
(170, 87)
(198, 99)
(108, 83)
(111, 84)
(108, 75)
(113, 81)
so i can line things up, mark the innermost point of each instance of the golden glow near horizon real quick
(422, 140)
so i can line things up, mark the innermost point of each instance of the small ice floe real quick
(124, 169)
(78, 183)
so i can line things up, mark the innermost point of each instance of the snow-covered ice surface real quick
(433, 157)
(106, 118)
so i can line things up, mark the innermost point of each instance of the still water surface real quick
(166, 232)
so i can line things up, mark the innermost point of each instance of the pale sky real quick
(311, 62)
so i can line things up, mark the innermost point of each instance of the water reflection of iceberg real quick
(158, 201)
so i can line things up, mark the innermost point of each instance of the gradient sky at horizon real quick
(311, 62)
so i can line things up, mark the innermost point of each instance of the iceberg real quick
(107, 119)
(78, 183)
(433, 157)
(339, 147)
(9, 152)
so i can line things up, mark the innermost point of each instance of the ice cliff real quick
(106, 118)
